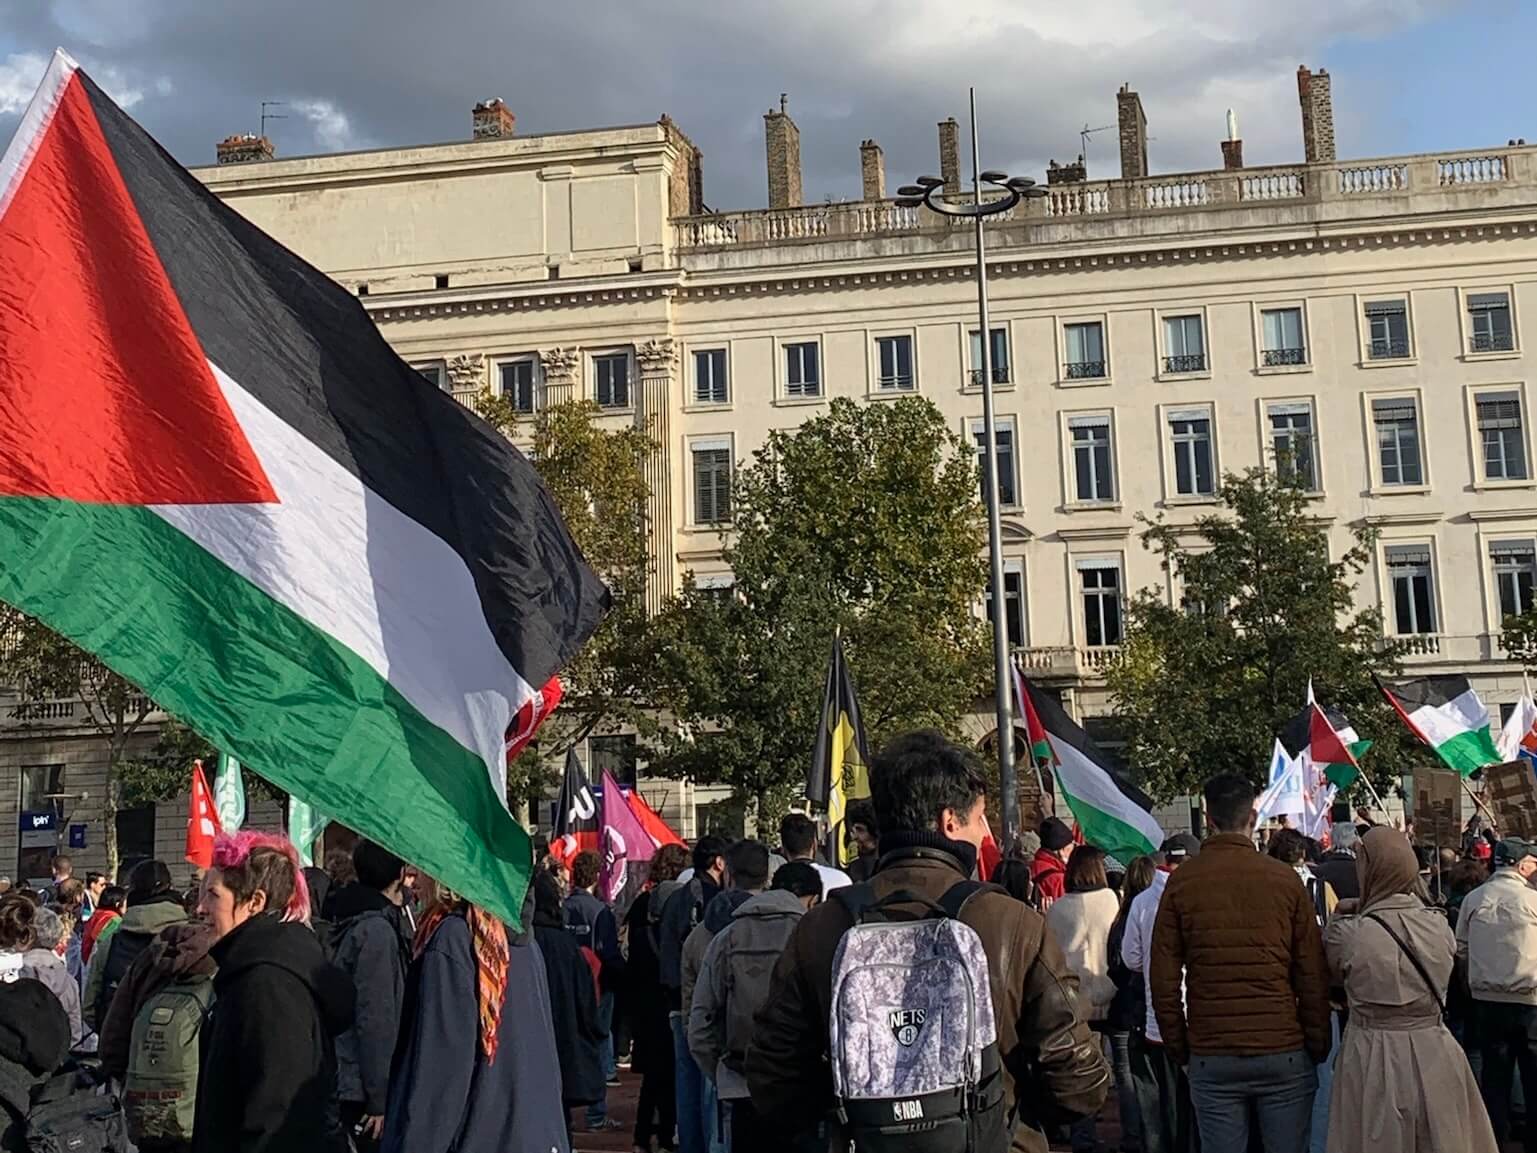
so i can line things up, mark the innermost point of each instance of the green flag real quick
(304, 825)
(229, 794)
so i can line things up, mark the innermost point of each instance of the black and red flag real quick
(576, 813)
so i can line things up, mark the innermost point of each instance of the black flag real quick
(576, 813)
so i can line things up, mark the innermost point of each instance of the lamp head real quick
(993, 176)
(929, 182)
(910, 202)
(910, 190)
(1020, 183)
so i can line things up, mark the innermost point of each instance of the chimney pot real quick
(1232, 155)
(492, 120)
(782, 141)
(1133, 128)
(950, 156)
(1317, 115)
(872, 170)
(243, 148)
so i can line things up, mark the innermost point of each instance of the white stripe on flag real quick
(1089, 784)
(1464, 713)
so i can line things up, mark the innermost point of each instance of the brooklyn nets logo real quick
(905, 1024)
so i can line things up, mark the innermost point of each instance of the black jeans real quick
(1163, 1099)
(658, 1100)
(1507, 1036)
(752, 1133)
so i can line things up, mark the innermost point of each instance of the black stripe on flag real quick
(305, 348)
(1297, 733)
(1422, 691)
(1061, 727)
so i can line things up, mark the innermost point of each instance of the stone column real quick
(560, 367)
(658, 361)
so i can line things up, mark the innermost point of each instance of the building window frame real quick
(696, 402)
(1095, 627)
(710, 520)
(1496, 547)
(1086, 419)
(878, 377)
(611, 356)
(1176, 364)
(1410, 557)
(1380, 485)
(716, 584)
(1013, 574)
(1284, 405)
(1008, 475)
(1473, 333)
(1283, 359)
(782, 352)
(1481, 478)
(1003, 375)
(434, 372)
(1385, 351)
(1082, 373)
(1168, 415)
(534, 383)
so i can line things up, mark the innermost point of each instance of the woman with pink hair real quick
(268, 1075)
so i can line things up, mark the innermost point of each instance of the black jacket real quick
(679, 916)
(1339, 869)
(652, 1050)
(34, 1041)
(1128, 1008)
(369, 946)
(267, 1082)
(574, 1011)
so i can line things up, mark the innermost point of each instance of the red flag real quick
(534, 712)
(989, 856)
(1324, 744)
(659, 830)
(202, 821)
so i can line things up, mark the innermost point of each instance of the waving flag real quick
(623, 841)
(840, 761)
(576, 813)
(1448, 716)
(1284, 797)
(1518, 739)
(229, 793)
(202, 821)
(217, 477)
(1338, 749)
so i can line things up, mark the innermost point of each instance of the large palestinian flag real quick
(217, 477)
(1449, 717)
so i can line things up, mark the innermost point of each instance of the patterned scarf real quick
(489, 937)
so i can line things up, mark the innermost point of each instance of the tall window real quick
(710, 376)
(1387, 330)
(1398, 440)
(1501, 433)
(1515, 569)
(1092, 471)
(432, 373)
(997, 354)
(1013, 604)
(1191, 433)
(40, 786)
(1281, 337)
(1184, 344)
(712, 482)
(802, 374)
(896, 363)
(1085, 344)
(1099, 584)
(1004, 434)
(614, 753)
(517, 381)
(1414, 608)
(611, 380)
(1294, 443)
(1489, 324)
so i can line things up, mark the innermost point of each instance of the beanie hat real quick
(34, 1030)
(1055, 835)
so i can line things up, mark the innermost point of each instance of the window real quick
(717, 586)
(1085, 350)
(896, 357)
(1398, 440)
(1095, 480)
(611, 380)
(802, 376)
(1281, 337)
(1503, 438)
(710, 376)
(1414, 609)
(431, 373)
(712, 482)
(1184, 344)
(997, 355)
(1013, 604)
(1294, 443)
(1387, 330)
(440, 280)
(518, 378)
(1100, 585)
(1489, 324)
(1515, 566)
(1191, 433)
(40, 787)
(1003, 433)
(615, 754)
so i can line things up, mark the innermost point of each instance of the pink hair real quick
(233, 851)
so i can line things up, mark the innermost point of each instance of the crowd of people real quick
(1242, 991)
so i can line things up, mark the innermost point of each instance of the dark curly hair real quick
(18, 924)
(918, 776)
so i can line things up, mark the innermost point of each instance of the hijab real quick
(1386, 867)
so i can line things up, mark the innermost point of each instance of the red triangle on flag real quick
(1324, 743)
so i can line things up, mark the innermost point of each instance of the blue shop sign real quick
(39, 822)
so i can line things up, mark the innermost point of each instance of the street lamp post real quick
(1014, 189)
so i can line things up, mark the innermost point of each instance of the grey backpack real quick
(912, 1038)
(751, 951)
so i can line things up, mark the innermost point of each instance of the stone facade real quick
(783, 148)
(243, 148)
(950, 157)
(1132, 124)
(492, 120)
(872, 171)
(1317, 115)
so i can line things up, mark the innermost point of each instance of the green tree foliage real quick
(1205, 685)
(1518, 637)
(164, 772)
(866, 518)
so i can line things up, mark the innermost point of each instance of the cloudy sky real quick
(1409, 75)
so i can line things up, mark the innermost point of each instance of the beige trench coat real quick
(1401, 1081)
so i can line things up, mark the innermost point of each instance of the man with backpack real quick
(370, 947)
(885, 1062)
(152, 905)
(733, 984)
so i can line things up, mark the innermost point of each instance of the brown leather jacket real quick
(1054, 1070)
(1241, 932)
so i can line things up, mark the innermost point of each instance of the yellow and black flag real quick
(840, 762)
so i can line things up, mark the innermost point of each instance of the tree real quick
(1518, 637)
(164, 772)
(867, 519)
(1205, 685)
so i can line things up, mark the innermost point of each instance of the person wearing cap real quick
(1497, 942)
(1162, 1092)
(1048, 869)
(1238, 931)
(1338, 867)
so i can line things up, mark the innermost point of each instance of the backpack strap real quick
(1414, 959)
(958, 895)
(856, 900)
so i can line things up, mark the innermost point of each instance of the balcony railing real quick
(1059, 662)
(903, 383)
(1000, 376)
(1085, 369)
(1388, 349)
(1492, 342)
(1274, 357)
(1190, 362)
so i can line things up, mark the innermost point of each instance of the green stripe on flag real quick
(1469, 750)
(255, 678)
(1122, 841)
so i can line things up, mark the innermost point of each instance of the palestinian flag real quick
(840, 760)
(217, 477)
(1035, 733)
(1328, 739)
(1114, 814)
(1447, 715)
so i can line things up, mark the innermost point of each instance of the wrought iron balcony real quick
(1274, 357)
(1190, 362)
(899, 383)
(1389, 349)
(1493, 342)
(1000, 375)
(1085, 369)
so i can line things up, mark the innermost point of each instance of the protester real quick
(1497, 941)
(268, 1076)
(579, 1032)
(18, 933)
(1161, 1084)
(476, 1066)
(62, 870)
(95, 885)
(929, 797)
(1013, 876)
(44, 962)
(733, 985)
(1290, 848)
(1238, 930)
(656, 1114)
(34, 1042)
(798, 838)
(1048, 869)
(341, 872)
(152, 905)
(1401, 1082)
(68, 901)
(592, 923)
(1338, 866)
(680, 914)
(109, 908)
(1128, 1008)
(863, 833)
(372, 948)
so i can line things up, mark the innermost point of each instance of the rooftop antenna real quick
(1083, 136)
(266, 116)
(784, 102)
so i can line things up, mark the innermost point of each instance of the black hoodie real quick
(268, 1078)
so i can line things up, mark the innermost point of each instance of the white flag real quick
(1522, 719)
(229, 794)
(1284, 797)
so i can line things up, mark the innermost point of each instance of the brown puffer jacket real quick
(1242, 932)
(1054, 1070)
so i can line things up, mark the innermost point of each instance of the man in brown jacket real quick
(929, 800)
(1239, 930)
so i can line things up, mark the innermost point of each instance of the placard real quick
(1510, 790)
(1437, 807)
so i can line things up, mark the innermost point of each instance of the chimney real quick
(1317, 115)
(492, 120)
(783, 141)
(1232, 147)
(950, 156)
(872, 170)
(1133, 125)
(1075, 173)
(243, 148)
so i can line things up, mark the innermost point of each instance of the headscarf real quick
(488, 937)
(1386, 867)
